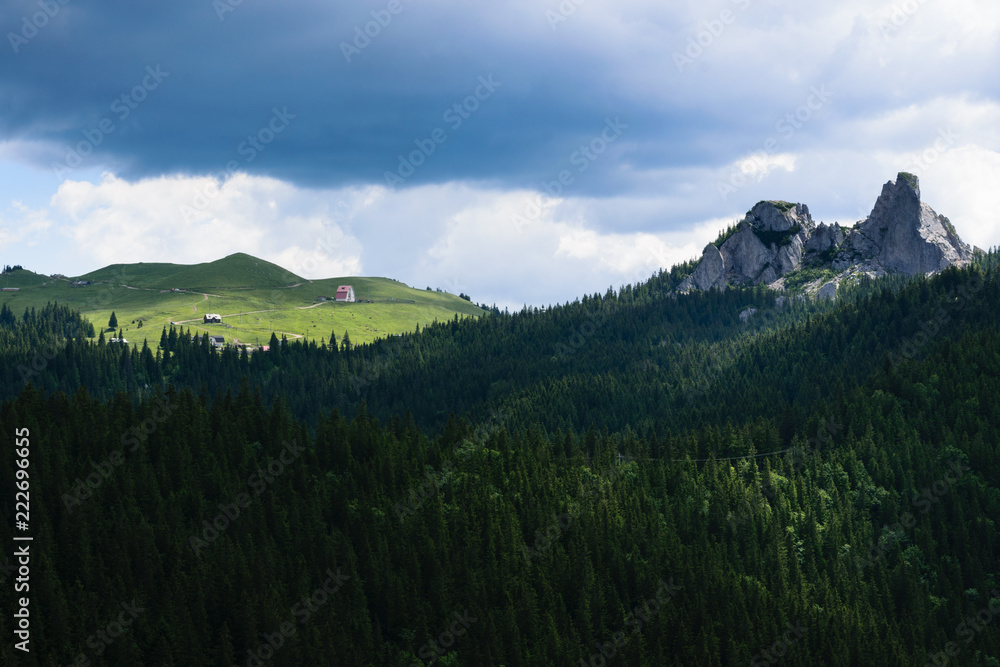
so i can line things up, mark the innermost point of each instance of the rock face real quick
(828, 291)
(767, 244)
(824, 241)
(904, 235)
(711, 271)
(901, 235)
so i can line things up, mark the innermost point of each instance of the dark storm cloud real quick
(508, 95)
(83, 79)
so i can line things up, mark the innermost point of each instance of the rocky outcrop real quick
(823, 243)
(711, 271)
(766, 245)
(827, 291)
(903, 235)
(776, 238)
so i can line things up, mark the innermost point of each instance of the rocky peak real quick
(767, 244)
(779, 216)
(901, 235)
(904, 235)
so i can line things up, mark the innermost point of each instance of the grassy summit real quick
(255, 297)
(233, 272)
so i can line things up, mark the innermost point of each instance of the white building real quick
(345, 294)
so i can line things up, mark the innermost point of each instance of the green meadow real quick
(254, 297)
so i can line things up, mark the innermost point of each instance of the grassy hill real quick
(22, 279)
(254, 297)
(238, 271)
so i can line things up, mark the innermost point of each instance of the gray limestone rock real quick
(745, 256)
(779, 216)
(828, 291)
(824, 238)
(710, 272)
(904, 235)
(768, 243)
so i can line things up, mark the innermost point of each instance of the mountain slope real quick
(255, 297)
(831, 470)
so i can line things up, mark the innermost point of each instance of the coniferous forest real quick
(634, 478)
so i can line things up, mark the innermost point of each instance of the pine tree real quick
(345, 344)
(113, 321)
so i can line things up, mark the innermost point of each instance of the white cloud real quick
(499, 247)
(759, 165)
(457, 237)
(193, 219)
(962, 184)
(21, 224)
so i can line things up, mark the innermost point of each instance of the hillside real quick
(641, 473)
(255, 298)
(236, 271)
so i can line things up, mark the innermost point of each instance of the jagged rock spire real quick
(901, 235)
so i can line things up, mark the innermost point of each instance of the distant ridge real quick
(235, 271)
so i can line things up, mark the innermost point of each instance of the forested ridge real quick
(525, 489)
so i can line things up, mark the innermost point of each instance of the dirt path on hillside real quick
(205, 298)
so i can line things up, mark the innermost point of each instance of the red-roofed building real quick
(345, 294)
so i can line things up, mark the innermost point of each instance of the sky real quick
(524, 152)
